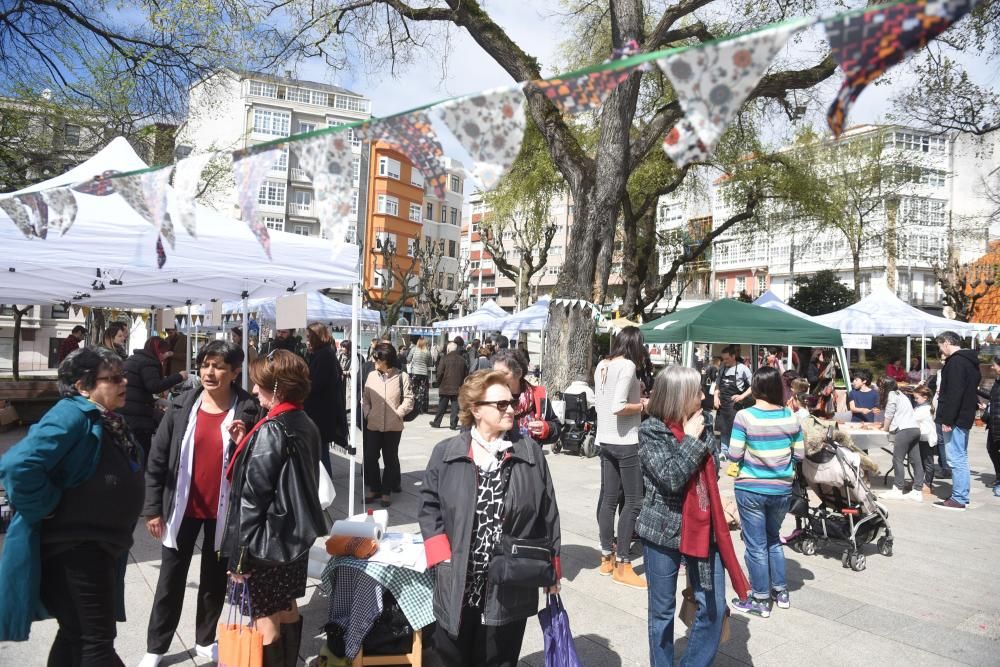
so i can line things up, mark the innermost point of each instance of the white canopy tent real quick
(319, 308)
(771, 300)
(477, 320)
(532, 318)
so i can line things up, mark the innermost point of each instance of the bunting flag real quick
(328, 162)
(712, 83)
(869, 43)
(414, 136)
(38, 212)
(62, 208)
(187, 177)
(249, 172)
(584, 92)
(18, 213)
(490, 126)
(155, 185)
(102, 186)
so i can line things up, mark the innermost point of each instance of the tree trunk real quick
(856, 260)
(523, 286)
(15, 350)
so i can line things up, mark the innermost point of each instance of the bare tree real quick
(400, 284)
(436, 298)
(15, 362)
(964, 285)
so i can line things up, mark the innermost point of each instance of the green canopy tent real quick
(731, 321)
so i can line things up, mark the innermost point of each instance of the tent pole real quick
(788, 361)
(355, 400)
(187, 359)
(842, 356)
(246, 342)
(909, 353)
(923, 358)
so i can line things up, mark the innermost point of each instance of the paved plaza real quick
(934, 602)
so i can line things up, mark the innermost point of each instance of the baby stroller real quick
(579, 428)
(848, 512)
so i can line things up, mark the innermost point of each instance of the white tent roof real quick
(771, 300)
(882, 313)
(532, 318)
(479, 319)
(319, 308)
(108, 235)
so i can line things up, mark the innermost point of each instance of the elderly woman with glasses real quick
(76, 485)
(491, 529)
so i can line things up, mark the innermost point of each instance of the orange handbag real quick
(240, 644)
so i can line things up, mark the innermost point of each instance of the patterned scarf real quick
(120, 435)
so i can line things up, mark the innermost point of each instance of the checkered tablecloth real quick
(414, 591)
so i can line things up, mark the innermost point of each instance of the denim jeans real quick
(956, 442)
(662, 565)
(941, 454)
(761, 516)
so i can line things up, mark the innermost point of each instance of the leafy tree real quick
(744, 297)
(821, 293)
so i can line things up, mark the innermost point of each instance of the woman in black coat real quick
(144, 372)
(326, 404)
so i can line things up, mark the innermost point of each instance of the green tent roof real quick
(731, 321)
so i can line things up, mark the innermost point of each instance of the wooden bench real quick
(30, 398)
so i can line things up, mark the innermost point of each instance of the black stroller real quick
(579, 427)
(848, 511)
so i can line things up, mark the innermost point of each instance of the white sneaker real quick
(892, 494)
(150, 660)
(915, 495)
(210, 652)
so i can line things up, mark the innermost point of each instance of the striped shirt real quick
(764, 443)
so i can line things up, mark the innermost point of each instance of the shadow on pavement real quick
(576, 558)
(591, 649)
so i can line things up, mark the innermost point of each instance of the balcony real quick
(299, 175)
(302, 210)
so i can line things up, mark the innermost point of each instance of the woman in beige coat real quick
(387, 398)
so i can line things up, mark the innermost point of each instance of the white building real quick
(442, 223)
(234, 110)
(43, 328)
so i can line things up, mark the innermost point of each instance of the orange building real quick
(394, 216)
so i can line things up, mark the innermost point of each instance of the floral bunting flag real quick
(154, 188)
(187, 176)
(711, 84)
(868, 44)
(62, 208)
(414, 136)
(584, 92)
(102, 186)
(38, 212)
(249, 172)
(490, 126)
(161, 254)
(18, 213)
(328, 162)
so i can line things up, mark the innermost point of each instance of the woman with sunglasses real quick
(488, 491)
(76, 485)
(144, 372)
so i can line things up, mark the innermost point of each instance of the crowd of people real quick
(205, 461)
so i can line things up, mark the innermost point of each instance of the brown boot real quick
(607, 565)
(625, 575)
(927, 490)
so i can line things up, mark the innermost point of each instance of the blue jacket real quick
(59, 452)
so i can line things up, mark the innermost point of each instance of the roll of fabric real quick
(350, 545)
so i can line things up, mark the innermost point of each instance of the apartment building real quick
(232, 110)
(942, 208)
(442, 227)
(684, 218)
(481, 269)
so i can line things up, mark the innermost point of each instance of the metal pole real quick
(923, 358)
(187, 359)
(909, 353)
(246, 341)
(355, 399)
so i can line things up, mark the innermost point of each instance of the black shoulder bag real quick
(522, 561)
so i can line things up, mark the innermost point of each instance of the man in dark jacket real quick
(956, 413)
(72, 342)
(472, 355)
(186, 491)
(451, 372)
(285, 339)
(145, 379)
(326, 404)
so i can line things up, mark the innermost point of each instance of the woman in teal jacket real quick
(76, 485)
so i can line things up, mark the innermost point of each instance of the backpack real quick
(415, 410)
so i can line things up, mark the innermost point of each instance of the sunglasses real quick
(499, 405)
(113, 379)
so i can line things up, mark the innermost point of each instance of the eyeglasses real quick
(499, 405)
(113, 379)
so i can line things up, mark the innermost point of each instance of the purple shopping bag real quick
(559, 648)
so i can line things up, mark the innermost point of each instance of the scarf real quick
(278, 409)
(702, 519)
(120, 435)
(496, 448)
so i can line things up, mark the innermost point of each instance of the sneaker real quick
(753, 607)
(950, 505)
(626, 576)
(915, 495)
(607, 565)
(781, 599)
(209, 652)
(150, 660)
(996, 490)
(892, 494)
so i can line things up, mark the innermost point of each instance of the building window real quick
(281, 164)
(388, 205)
(456, 184)
(444, 213)
(451, 281)
(487, 265)
(261, 89)
(741, 284)
(384, 240)
(720, 288)
(351, 104)
(416, 178)
(354, 203)
(307, 127)
(356, 166)
(301, 230)
(273, 222)
(452, 249)
(271, 193)
(355, 142)
(271, 123)
(302, 202)
(71, 136)
(555, 250)
(411, 247)
(415, 212)
(60, 312)
(761, 284)
(388, 167)
(430, 211)
(454, 216)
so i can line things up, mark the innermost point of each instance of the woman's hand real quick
(536, 427)
(237, 429)
(155, 527)
(695, 424)
(239, 578)
(553, 590)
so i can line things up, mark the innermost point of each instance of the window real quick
(918, 142)
(351, 104)
(415, 212)
(444, 213)
(720, 288)
(487, 264)
(274, 222)
(761, 284)
(474, 264)
(388, 167)
(356, 166)
(741, 284)
(451, 281)
(350, 131)
(60, 312)
(307, 127)
(430, 211)
(388, 205)
(456, 184)
(416, 178)
(383, 240)
(271, 193)
(454, 216)
(271, 123)
(354, 203)
(261, 89)
(302, 197)
(452, 249)
(555, 250)
(411, 247)
(281, 164)
(71, 136)
(301, 230)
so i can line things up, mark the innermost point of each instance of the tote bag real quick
(240, 644)
(559, 648)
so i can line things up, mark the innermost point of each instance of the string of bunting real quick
(711, 81)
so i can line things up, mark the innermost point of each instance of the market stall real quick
(478, 320)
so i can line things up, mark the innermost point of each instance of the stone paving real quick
(934, 602)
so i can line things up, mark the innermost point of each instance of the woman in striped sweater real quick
(766, 441)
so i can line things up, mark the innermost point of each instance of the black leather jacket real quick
(274, 515)
(446, 518)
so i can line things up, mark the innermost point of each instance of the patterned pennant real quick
(101, 186)
(490, 126)
(249, 172)
(155, 186)
(414, 136)
(38, 211)
(132, 191)
(711, 84)
(868, 44)
(18, 213)
(161, 254)
(328, 162)
(62, 209)
(187, 176)
(584, 92)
